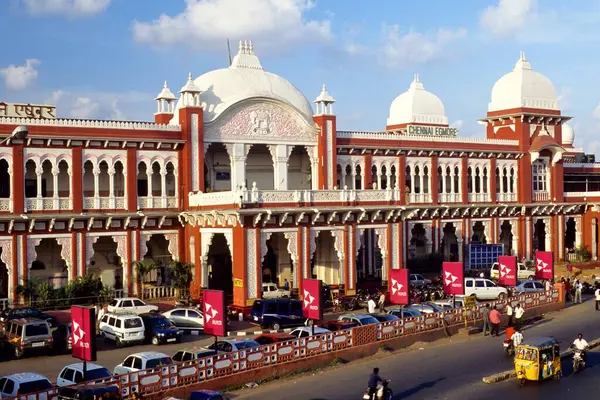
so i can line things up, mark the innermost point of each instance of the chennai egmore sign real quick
(426, 130)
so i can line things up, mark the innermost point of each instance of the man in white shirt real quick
(371, 305)
(578, 290)
(548, 285)
(517, 339)
(381, 301)
(519, 312)
(597, 295)
(509, 314)
(581, 344)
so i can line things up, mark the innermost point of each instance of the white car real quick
(306, 331)
(73, 374)
(418, 280)
(130, 305)
(122, 328)
(522, 274)
(484, 289)
(141, 361)
(23, 384)
(271, 291)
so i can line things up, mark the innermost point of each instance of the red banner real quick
(312, 299)
(507, 270)
(453, 278)
(544, 265)
(83, 328)
(215, 312)
(399, 289)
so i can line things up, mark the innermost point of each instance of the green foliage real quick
(82, 290)
(181, 275)
(583, 255)
(142, 269)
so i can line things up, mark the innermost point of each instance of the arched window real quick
(417, 185)
(470, 180)
(448, 180)
(374, 176)
(512, 180)
(498, 187)
(540, 176)
(440, 180)
(358, 177)
(340, 177)
(408, 179)
(456, 180)
(485, 180)
(504, 180)
(393, 179)
(477, 181)
(425, 179)
(383, 177)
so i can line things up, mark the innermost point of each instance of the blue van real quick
(277, 313)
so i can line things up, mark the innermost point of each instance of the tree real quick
(143, 270)
(181, 276)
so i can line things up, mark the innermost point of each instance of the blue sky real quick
(108, 58)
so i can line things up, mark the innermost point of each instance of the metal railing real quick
(541, 196)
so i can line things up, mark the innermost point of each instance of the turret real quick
(165, 105)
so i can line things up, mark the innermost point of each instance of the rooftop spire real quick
(165, 93)
(416, 83)
(245, 58)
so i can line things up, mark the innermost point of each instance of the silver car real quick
(404, 312)
(529, 286)
(186, 318)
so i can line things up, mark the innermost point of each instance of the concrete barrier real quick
(502, 376)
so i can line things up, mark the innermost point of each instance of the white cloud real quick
(403, 49)
(458, 124)
(19, 77)
(508, 17)
(71, 8)
(208, 23)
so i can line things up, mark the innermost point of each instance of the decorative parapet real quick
(582, 194)
(86, 123)
(581, 165)
(416, 138)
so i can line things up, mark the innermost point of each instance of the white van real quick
(522, 274)
(484, 289)
(122, 328)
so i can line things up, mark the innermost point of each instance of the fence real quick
(156, 381)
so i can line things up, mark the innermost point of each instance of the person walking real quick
(286, 284)
(578, 290)
(519, 312)
(495, 321)
(597, 295)
(548, 285)
(381, 301)
(371, 306)
(485, 315)
(509, 314)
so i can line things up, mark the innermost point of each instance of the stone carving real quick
(330, 151)
(144, 238)
(292, 238)
(395, 244)
(251, 283)
(195, 154)
(338, 243)
(32, 243)
(313, 242)
(264, 237)
(173, 248)
(351, 260)
(263, 121)
(89, 247)
(6, 255)
(122, 253)
(382, 241)
(65, 252)
(305, 233)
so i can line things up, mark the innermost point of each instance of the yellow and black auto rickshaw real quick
(538, 359)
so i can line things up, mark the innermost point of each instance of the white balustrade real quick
(159, 202)
(541, 196)
(48, 203)
(419, 198)
(582, 194)
(5, 205)
(159, 292)
(449, 197)
(506, 197)
(479, 198)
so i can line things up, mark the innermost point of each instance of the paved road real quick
(448, 369)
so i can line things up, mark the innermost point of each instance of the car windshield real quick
(98, 373)
(386, 317)
(161, 322)
(257, 306)
(36, 330)
(158, 362)
(34, 386)
(368, 320)
(131, 323)
(247, 344)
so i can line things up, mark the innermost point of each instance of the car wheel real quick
(276, 326)
(155, 341)
(18, 352)
(118, 342)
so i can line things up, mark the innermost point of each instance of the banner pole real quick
(84, 370)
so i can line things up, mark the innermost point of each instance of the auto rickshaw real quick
(538, 359)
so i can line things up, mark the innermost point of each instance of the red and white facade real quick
(241, 177)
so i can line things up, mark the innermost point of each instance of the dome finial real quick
(250, 47)
(245, 47)
(416, 78)
(189, 76)
(523, 58)
(165, 85)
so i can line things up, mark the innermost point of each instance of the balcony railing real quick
(506, 197)
(48, 203)
(158, 202)
(449, 197)
(104, 203)
(479, 197)
(541, 196)
(5, 204)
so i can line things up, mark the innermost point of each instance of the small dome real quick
(165, 93)
(417, 105)
(568, 135)
(523, 88)
(245, 79)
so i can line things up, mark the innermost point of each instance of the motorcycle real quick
(578, 362)
(383, 392)
(509, 347)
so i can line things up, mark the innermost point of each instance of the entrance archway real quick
(277, 264)
(4, 279)
(157, 254)
(479, 233)
(570, 235)
(369, 261)
(259, 168)
(417, 246)
(49, 266)
(506, 237)
(220, 266)
(325, 263)
(449, 244)
(106, 263)
(539, 236)
(299, 169)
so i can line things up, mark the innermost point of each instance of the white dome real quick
(245, 79)
(523, 88)
(568, 135)
(417, 105)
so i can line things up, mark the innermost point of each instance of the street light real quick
(20, 132)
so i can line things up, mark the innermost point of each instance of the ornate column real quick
(7, 258)
(176, 176)
(38, 172)
(514, 225)
(65, 253)
(111, 187)
(280, 154)
(163, 186)
(459, 240)
(528, 237)
(96, 172)
(443, 184)
(594, 239)
(547, 235)
(150, 173)
(561, 236)
(55, 199)
(578, 232)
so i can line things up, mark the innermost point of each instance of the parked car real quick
(206, 395)
(271, 291)
(277, 313)
(21, 384)
(385, 317)
(28, 335)
(306, 331)
(122, 328)
(418, 280)
(187, 318)
(360, 319)
(405, 312)
(522, 272)
(270, 338)
(141, 361)
(130, 305)
(72, 374)
(26, 312)
(63, 338)
(229, 345)
(192, 354)
(426, 308)
(159, 330)
(458, 302)
(337, 325)
(529, 286)
(484, 289)
(84, 392)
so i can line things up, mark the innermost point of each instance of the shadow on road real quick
(417, 389)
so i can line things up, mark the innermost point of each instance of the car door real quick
(111, 330)
(178, 317)
(126, 366)
(480, 290)
(492, 290)
(194, 319)
(528, 287)
(538, 287)
(127, 306)
(65, 377)
(10, 388)
(139, 307)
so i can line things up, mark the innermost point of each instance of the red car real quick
(269, 338)
(334, 326)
